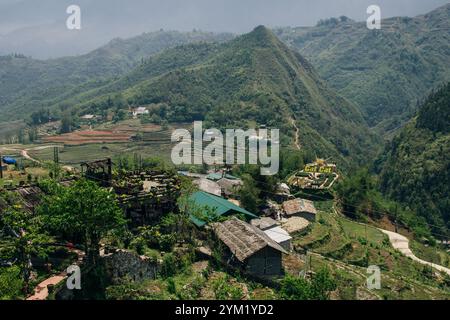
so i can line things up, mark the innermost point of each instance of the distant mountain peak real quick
(260, 36)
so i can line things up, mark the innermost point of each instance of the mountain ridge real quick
(385, 72)
(415, 167)
(254, 78)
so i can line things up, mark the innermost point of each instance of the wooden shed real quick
(301, 208)
(250, 247)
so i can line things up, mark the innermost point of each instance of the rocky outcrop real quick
(126, 264)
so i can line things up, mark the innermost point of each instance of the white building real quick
(140, 111)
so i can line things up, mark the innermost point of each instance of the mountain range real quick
(254, 79)
(386, 72)
(371, 78)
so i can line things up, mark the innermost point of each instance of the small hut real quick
(301, 208)
(250, 247)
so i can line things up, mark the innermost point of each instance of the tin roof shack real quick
(274, 231)
(280, 236)
(216, 176)
(250, 248)
(301, 208)
(205, 207)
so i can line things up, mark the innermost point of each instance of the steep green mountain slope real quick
(416, 165)
(384, 71)
(27, 85)
(252, 79)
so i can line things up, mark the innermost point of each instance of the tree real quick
(84, 210)
(119, 115)
(11, 283)
(66, 124)
(25, 238)
(319, 288)
(249, 194)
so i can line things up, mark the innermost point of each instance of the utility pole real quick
(56, 155)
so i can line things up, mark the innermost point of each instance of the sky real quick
(37, 27)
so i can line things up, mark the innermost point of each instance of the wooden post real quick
(1, 167)
(109, 170)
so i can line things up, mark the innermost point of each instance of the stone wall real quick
(126, 264)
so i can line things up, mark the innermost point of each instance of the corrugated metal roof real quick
(220, 205)
(218, 175)
(278, 234)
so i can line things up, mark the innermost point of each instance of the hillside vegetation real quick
(27, 84)
(384, 71)
(415, 168)
(253, 79)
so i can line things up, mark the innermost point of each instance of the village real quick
(255, 243)
(182, 222)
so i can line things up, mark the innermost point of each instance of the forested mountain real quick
(253, 79)
(415, 168)
(384, 71)
(27, 84)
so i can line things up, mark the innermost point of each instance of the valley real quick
(360, 195)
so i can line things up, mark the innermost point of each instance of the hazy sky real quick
(37, 27)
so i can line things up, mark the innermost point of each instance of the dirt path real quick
(401, 243)
(41, 291)
(297, 133)
(26, 155)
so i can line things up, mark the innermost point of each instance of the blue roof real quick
(9, 160)
(221, 207)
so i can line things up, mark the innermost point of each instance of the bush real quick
(296, 288)
(171, 286)
(169, 265)
(10, 283)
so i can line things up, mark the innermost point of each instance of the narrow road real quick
(41, 291)
(297, 133)
(26, 155)
(401, 243)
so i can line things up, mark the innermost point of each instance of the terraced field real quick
(348, 248)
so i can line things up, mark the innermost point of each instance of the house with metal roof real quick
(250, 247)
(280, 236)
(216, 176)
(272, 229)
(204, 207)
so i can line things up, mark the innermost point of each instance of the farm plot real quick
(89, 136)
